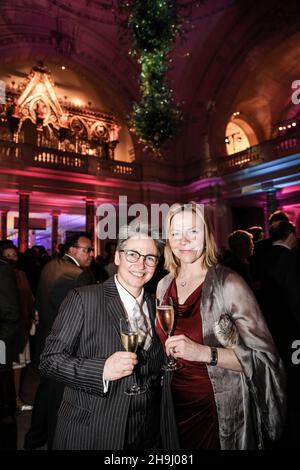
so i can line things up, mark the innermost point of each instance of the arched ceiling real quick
(50, 30)
(231, 55)
(265, 95)
(259, 86)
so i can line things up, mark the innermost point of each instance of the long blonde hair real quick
(209, 253)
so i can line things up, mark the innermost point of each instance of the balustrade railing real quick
(9, 151)
(267, 151)
(29, 155)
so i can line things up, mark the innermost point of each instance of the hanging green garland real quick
(153, 25)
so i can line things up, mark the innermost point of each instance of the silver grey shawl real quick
(252, 400)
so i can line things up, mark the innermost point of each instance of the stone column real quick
(90, 217)
(23, 221)
(3, 233)
(111, 149)
(54, 232)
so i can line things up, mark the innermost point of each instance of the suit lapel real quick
(114, 305)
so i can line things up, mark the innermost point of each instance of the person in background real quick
(280, 299)
(9, 253)
(238, 258)
(32, 261)
(109, 260)
(262, 247)
(9, 326)
(98, 271)
(58, 277)
(230, 391)
(257, 232)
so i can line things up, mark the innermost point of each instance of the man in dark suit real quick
(264, 246)
(58, 277)
(281, 306)
(85, 353)
(9, 323)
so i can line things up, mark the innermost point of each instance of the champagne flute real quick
(130, 340)
(165, 315)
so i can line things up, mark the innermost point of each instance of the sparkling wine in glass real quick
(130, 340)
(165, 315)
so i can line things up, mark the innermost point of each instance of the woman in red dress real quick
(231, 385)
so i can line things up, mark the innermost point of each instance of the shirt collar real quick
(128, 299)
(73, 259)
(279, 243)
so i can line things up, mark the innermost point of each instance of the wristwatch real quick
(213, 356)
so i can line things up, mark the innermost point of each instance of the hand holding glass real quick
(165, 316)
(130, 340)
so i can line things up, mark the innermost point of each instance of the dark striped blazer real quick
(84, 335)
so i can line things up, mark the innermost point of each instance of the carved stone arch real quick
(38, 106)
(78, 127)
(99, 130)
(100, 139)
(38, 100)
(78, 135)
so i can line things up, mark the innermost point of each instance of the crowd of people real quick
(236, 317)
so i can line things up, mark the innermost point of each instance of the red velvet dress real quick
(192, 390)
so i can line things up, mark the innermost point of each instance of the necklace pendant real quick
(183, 283)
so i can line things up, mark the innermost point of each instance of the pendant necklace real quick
(182, 283)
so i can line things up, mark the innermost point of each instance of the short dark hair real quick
(278, 216)
(140, 229)
(256, 231)
(72, 239)
(4, 244)
(239, 238)
(281, 230)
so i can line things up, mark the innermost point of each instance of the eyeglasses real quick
(86, 249)
(133, 257)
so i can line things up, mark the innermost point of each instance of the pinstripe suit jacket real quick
(84, 335)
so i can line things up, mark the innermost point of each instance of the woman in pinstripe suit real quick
(85, 353)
